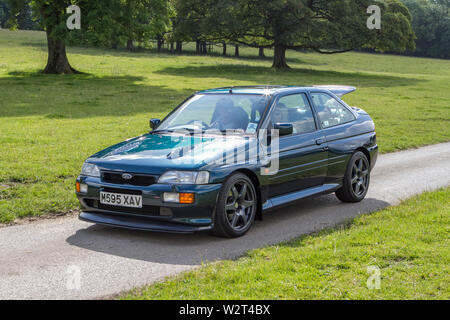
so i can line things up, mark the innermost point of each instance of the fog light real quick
(174, 197)
(187, 198)
(165, 212)
(171, 197)
(81, 187)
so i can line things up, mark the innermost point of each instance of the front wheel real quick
(236, 207)
(356, 179)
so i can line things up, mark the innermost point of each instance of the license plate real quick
(121, 200)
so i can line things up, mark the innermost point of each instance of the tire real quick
(356, 179)
(236, 207)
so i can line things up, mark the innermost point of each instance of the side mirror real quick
(284, 129)
(154, 123)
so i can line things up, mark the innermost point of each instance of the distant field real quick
(408, 244)
(50, 124)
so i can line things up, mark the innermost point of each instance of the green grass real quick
(409, 244)
(50, 124)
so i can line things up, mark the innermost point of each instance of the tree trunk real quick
(179, 46)
(261, 52)
(160, 43)
(204, 48)
(279, 57)
(224, 49)
(171, 47)
(236, 51)
(114, 41)
(197, 47)
(57, 62)
(130, 46)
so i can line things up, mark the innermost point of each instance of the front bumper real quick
(129, 222)
(373, 151)
(155, 215)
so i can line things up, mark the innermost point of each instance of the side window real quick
(331, 112)
(294, 109)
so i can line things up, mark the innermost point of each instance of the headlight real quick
(185, 177)
(90, 169)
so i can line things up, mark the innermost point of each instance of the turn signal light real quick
(81, 187)
(187, 198)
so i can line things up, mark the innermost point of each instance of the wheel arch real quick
(366, 153)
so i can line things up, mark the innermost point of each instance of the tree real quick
(25, 19)
(144, 19)
(100, 25)
(53, 20)
(4, 14)
(117, 22)
(133, 20)
(431, 24)
(189, 23)
(323, 26)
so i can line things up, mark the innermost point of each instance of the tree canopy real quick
(323, 26)
(431, 24)
(320, 25)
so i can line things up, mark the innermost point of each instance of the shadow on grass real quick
(294, 76)
(304, 217)
(83, 96)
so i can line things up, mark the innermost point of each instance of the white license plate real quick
(121, 200)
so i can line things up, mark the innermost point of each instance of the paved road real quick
(43, 259)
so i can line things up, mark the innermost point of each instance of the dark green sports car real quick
(224, 156)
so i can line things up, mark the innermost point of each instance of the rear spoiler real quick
(337, 90)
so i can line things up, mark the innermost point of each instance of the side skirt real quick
(297, 195)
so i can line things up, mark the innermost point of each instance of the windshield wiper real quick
(161, 131)
(178, 130)
(233, 131)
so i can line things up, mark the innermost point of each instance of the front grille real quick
(145, 210)
(124, 191)
(136, 180)
(151, 211)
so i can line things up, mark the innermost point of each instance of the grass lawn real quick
(50, 124)
(409, 244)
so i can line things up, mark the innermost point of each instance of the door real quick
(303, 155)
(336, 122)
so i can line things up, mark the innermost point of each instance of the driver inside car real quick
(223, 117)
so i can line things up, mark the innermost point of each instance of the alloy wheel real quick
(360, 176)
(240, 205)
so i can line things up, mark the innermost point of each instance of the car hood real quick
(155, 154)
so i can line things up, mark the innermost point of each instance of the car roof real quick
(262, 89)
(275, 90)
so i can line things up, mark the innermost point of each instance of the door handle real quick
(320, 141)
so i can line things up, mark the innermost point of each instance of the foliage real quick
(431, 24)
(113, 22)
(4, 13)
(323, 26)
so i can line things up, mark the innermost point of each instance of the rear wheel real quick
(236, 207)
(356, 179)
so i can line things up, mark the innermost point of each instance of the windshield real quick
(240, 112)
